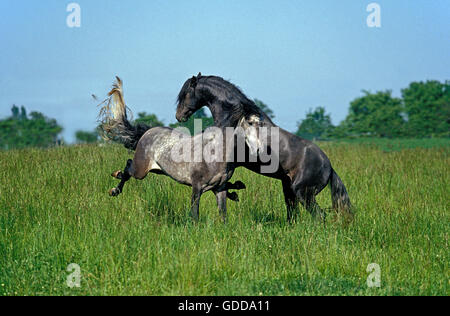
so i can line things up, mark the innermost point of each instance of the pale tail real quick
(114, 123)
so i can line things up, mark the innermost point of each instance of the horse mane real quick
(183, 91)
(230, 96)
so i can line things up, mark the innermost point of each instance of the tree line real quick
(22, 130)
(422, 111)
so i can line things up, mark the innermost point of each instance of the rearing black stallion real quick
(304, 169)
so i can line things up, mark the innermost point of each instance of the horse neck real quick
(222, 118)
(226, 114)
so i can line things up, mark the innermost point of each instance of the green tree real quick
(86, 137)
(149, 119)
(427, 106)
(317, 124)
(22, 130)
(265, 108)
(207, 121)
(378, 115)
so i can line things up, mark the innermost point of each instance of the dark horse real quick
(304, 169)
(158, 150)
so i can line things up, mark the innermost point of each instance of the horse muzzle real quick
(183, 118)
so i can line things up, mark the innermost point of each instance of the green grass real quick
(55, 210)
(396, 144)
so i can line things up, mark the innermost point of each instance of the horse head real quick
(188, 101)
(249, 128)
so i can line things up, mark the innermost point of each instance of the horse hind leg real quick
(221, 198)
(123, 177)
(308, 199)
(316, 211)
(291, 201)
(195, 202)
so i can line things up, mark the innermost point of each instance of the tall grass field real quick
(55, 210)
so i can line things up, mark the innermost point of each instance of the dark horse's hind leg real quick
(123, 177)
(307, 197)
(290, 199)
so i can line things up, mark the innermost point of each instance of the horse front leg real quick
(238, 185)
(233, 196)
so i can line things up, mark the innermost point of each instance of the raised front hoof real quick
(117, 174)
(233, 196)
(239, 185)
(114, 192)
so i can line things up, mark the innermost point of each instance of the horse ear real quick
(194, 82)
(199, 75)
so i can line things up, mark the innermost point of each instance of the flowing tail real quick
(339, 195)
(114, 123)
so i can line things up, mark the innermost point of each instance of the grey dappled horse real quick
(167, 151)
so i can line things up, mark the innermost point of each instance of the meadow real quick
(55, 210)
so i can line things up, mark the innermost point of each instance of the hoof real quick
(114, 192)
(239, 185)
(117, 174)
(233, 196)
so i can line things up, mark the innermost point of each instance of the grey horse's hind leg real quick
(123, 177)
(195, 202)
(221, 198)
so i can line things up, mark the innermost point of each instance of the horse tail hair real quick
(113, 117)
(339, 195)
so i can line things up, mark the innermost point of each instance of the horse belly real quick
(179, 172)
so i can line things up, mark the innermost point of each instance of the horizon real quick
(307, 55)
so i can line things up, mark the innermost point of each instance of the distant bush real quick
(86, 137)
(35, 130)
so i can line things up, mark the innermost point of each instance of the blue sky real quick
(293, 55)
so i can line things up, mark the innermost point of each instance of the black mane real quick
(232, 100)
(183, 91)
